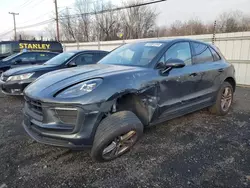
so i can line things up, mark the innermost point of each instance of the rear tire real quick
(113, 133)
(224, 100)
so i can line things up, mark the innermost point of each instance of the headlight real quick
(20, 77)
(80, 89)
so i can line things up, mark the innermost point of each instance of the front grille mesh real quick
(34, 105)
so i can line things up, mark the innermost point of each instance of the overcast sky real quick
(34, 11)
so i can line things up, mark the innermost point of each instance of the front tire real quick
(116, 135)
(224, 100)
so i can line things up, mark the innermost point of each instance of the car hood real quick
(28, 69)
(52, 82)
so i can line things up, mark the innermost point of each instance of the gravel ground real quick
(197, 150)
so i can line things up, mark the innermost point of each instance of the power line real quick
(25, 3)
(91, 13)
(114, 9)
(36, 18)
(39, 2)
(6, 33)
(36, 24)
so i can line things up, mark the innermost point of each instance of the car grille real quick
(34, 105)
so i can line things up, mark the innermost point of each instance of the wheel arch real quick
(232, 81)
(136, 103)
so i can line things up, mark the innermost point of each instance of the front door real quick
(24, 59)
(177, 87)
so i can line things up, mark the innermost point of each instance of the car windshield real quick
(60, 59)
(10, 57)
(137, 54)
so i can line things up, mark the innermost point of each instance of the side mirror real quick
(170, 64)
(174, 63)
(72, 64)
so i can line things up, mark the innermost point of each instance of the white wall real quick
(234, 46)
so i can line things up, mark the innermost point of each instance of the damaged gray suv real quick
(107, 106)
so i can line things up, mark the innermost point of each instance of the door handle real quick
(221, 70)
(193, 74)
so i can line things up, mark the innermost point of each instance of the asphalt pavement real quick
(197, 150)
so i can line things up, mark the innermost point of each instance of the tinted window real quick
(102, 55)
(215, 55)
(10, 57)
(60, 59)
(26, 57)
(202, 53)
(85, 59)
(136, 54)
(181, 51)
(45, 56)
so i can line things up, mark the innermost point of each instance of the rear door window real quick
(201, 53)
(86, 59)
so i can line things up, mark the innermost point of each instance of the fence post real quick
(77, 43)
(214, 33)
(99, 45)
(64, 47)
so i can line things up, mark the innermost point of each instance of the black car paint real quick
(11, 63)
(38, 70)
(161, 96)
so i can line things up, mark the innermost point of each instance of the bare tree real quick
(25, 36)
(107, 23)
(84, 20)
(138, 22)
(233, 22)
(67, 26)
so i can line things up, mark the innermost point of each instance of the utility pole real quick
(57, 22)
(14, 18)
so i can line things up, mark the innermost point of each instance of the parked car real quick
(8, 48)
(14, 81)
(108, 105)
(25, 58)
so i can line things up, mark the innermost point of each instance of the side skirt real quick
(178, 113)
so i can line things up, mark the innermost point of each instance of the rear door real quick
(209, 64)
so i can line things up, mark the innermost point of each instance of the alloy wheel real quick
(119, 145)
(226, 99)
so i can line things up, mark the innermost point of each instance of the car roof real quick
(40, 52)
(81, 51)
(174, 40)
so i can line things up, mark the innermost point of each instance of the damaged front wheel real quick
(116, 135)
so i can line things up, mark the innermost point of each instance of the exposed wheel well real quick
(232, 82)
(132, 102)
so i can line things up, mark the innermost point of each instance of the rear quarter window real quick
(216, 56)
